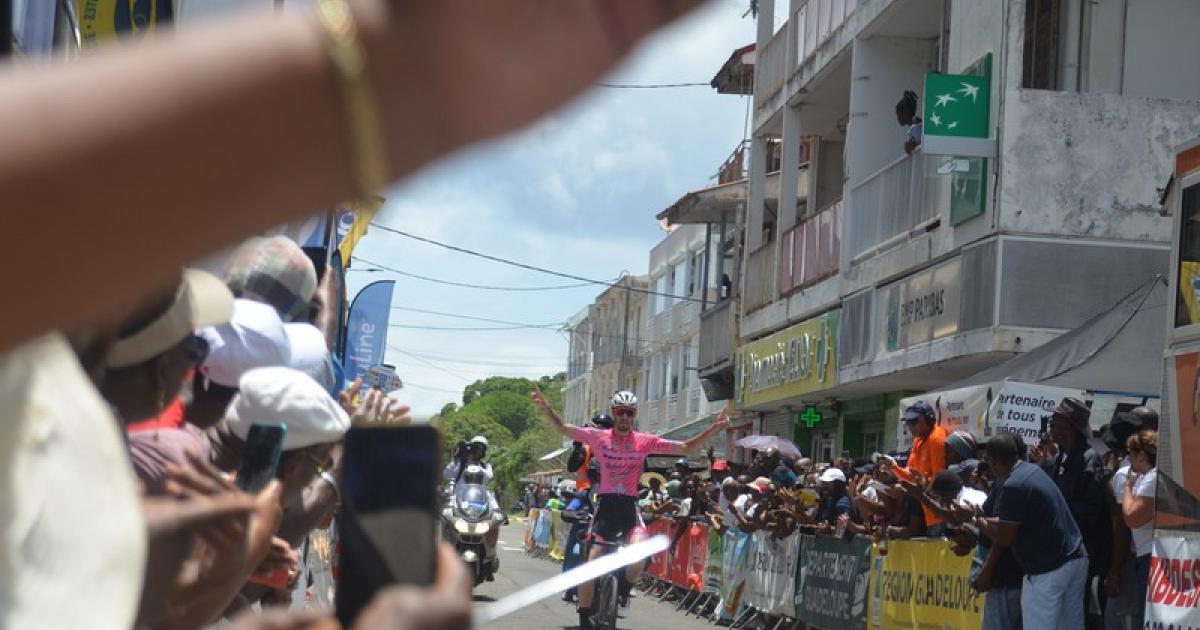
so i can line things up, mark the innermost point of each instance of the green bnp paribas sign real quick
(957, 117)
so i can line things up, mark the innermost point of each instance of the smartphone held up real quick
(389, 512)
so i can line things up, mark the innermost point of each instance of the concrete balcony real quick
(771, 67)
(693, 404)
(717, 332)
(673, 419)
(887, 205)
(759, 287)
(810, 251)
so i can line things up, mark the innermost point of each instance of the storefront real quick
(782, 378)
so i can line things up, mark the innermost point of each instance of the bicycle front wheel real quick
(604, 604)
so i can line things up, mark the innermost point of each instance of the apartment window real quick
(678, 281)
(668, 375)
(696, 277)
(660, 290)
(1043, 19)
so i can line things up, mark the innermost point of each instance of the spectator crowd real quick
(1059, 532)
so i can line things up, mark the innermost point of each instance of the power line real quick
(484, 371)
(436, 367)
(649, 86)
(444, 359)
(504, 261)
(472, 318)
(432, 389)
(445, 356)
(465, 285)
(633, 340)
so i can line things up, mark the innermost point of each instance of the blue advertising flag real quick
(366, 329)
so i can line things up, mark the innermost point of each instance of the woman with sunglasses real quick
(621, 452)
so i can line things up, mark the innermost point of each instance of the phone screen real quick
(388, 528)
(260, 456)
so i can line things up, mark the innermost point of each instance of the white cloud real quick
(576, 192)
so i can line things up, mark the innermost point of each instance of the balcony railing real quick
(716, 335)
(760, 278)
(650, 417)
(888, 204)
(770, 66)
(817, 21)
(809, 252)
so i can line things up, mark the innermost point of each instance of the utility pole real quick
(624, 337)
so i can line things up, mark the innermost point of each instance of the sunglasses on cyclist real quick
(624, 411)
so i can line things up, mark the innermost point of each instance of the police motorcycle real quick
(471, 521)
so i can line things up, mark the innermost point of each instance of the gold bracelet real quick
(350, 61)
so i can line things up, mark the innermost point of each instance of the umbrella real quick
(787, 449)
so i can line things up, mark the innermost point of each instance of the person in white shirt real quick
(1137, 504)
(475, 452)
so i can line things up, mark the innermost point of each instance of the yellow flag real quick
(104, 20)
(364, 213)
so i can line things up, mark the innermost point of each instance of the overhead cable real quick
(505, 261)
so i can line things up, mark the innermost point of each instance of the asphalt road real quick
(518, 570)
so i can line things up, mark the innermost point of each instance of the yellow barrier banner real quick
(921, 584)
(558, 536)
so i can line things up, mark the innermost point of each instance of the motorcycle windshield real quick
(472, 500)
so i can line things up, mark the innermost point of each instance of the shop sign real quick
(985, 411)
(792, 362)
(1173, 594)
(922, 307)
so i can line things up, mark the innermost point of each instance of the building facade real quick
(683, 280)
(576, 405)
(908, 270)
(618, 320)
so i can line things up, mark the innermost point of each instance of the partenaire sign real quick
(789, 363)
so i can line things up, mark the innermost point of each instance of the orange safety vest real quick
(581, 479)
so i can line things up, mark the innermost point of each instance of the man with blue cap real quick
(928, 455)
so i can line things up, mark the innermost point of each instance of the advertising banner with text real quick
(988, 410)
(712, 561)
(831, 581)
(771, 585)
(1173, 595)
(922, 584)
(735, 550)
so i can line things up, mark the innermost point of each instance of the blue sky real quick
(577, 192)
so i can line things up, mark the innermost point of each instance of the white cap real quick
(285, 396)
(832, 474)
(309, 352)
(479, 439)
(253, 338)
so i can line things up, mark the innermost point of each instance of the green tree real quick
(510, 409)
(499, 409)
(483, 387)
(464, 425)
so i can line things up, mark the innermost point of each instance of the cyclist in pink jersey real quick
(621, 452)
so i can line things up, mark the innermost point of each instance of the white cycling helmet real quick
(479, 439)
(624, 399)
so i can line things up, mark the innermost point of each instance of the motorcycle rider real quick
(467, 455)
(621, 452)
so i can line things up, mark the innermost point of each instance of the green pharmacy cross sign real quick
(810, 417)
(957, 115)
